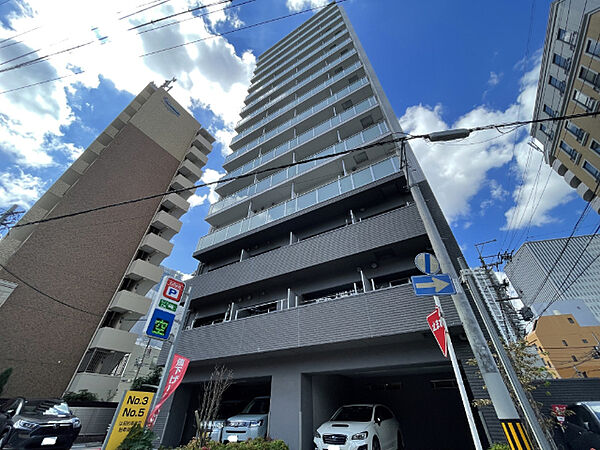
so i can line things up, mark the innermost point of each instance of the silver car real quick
(251, 423)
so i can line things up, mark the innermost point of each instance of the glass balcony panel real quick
(263, 184)
(277, 212)
(258, 220)
(328, 191)
(290, 207)
(292, 171)
(220, 235)
(383, 169)
(235, 229)
(279, 177)
(307, 200)
(245, 224)
(362, 177)
(354, 141)
(346, 184)
(371, 133)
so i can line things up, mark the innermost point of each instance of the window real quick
(574, 358)
(566, 36)
(585, 341)
(579, 133)
(347, 105)
(565, 343)
(592, 170)
(366, 122)
(583, 100)
(547, 131)
(593, 47)
(595, 146)
(569, 150)
(338, 70)
(549, 111)
(352, 79)
(589, 76)
(560, 85)
(343, 52)
(561, 61)
(570, 320)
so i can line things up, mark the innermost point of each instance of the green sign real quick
(167, 305)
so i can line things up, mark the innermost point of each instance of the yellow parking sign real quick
(133, 409)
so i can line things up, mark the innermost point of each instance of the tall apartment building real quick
(500, 310)
(102, 263)
(569, 84)
(528, 272)
(303, 286)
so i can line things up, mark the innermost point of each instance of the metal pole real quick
(459, 380)
(497, 390)
(528, 412)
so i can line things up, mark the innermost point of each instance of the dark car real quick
(581, 430)
(47, 423)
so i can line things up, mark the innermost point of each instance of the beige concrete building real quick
(569, 84)
(74, 287)
(567, 349)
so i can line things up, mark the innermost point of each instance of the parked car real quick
(360, 427)
(582, 427)
(47, 423)
(251, 423)
(227, 408)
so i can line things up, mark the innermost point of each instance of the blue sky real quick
(442, 64)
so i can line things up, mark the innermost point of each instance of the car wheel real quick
(4, 438)
(376, 445)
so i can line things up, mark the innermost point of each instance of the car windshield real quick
(354, 414)
(257, 406)
(596, 409)
(46, 407)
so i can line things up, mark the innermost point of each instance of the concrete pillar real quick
(286, 408)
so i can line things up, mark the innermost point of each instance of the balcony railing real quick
(289, 74)
(301, 116)
(267, 67)
(361, 138)
(328, 124)
(318, 195)
(304, 82)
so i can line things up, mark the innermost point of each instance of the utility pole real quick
(501, 400)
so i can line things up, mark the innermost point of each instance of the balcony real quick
(190, 170)
(289, 75)
(115, 340)
(385, 312)
(304, 82)
(176, 203)
(129, 302)
(357, 140)
(299, 117)
(395, 226)
(168, 224)
(265, 68)
(158, 247)
(181, 182)
(321, 194)
(196, 156)
(143, 270)
(303, 138)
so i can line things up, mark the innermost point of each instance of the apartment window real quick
(566, 36)
(560, 85)
(565, 343)
(343, 52)
(549, 111)
(569, 150)
(592, 170)
(583, 100)
(547, 131)
(561, 61)
(579, 133)
(570, 320)
(590, 76)
(585, 341)
(338, 70)
(347, 104)
(366, 122)
(574, 358)
(593, 47)
(595, 146)
(352, 79)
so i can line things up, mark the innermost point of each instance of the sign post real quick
(162, 317)
(133, 409)
(442, 284)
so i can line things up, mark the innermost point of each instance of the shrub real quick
(497, 446)
(152, 379)
(81, 396)
(250, 444)
(138, 438)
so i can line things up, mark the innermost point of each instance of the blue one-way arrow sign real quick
(440, 284)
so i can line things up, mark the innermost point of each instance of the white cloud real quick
(297, 5)
(210, 73)
(20, 188)
(210, 176)
(224, 137)
(197, 200)
(494, 79)
(458, 171)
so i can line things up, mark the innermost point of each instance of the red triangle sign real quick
(438, 329)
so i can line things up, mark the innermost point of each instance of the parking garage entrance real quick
(235, 398)
(426, 402)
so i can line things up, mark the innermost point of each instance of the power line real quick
(187, 11)
(144, 9)
(405, 137)
(42, 82)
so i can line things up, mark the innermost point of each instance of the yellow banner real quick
(133, 409)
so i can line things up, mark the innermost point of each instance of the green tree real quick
(138, 438)
(4, 378)
(152, 379)
(81, 396)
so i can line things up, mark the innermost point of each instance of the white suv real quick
(360, 427)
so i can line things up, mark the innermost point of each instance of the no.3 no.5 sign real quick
(133, 409)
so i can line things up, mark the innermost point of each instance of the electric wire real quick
(42, 82)
(188, 11)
